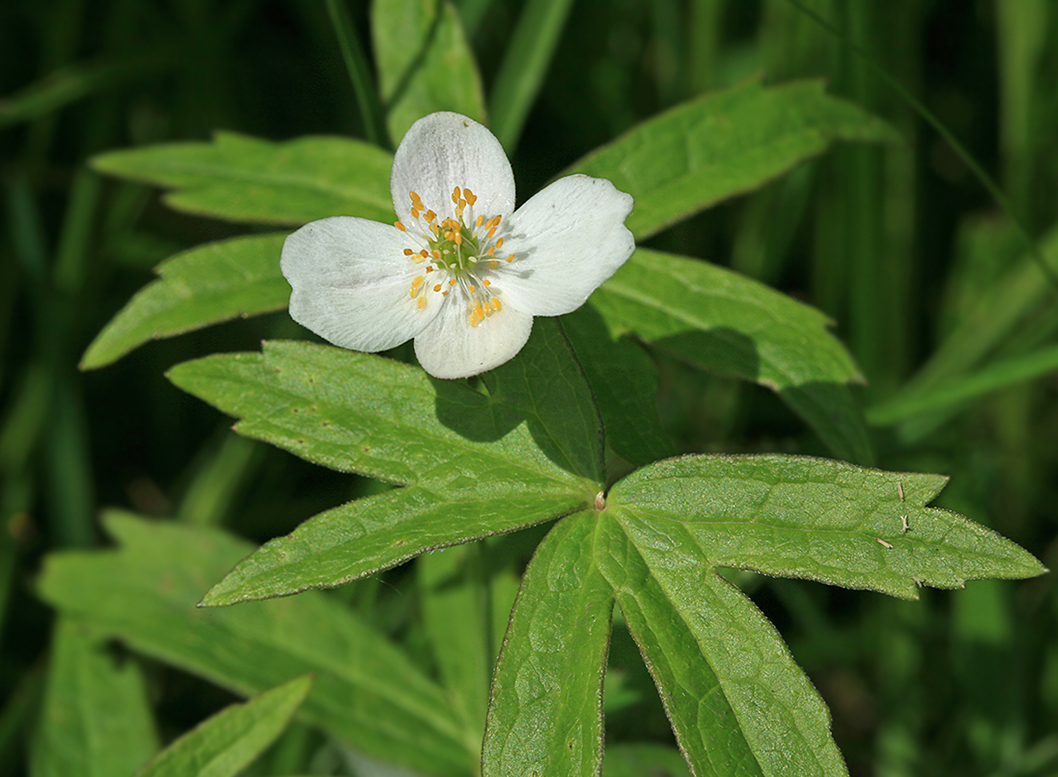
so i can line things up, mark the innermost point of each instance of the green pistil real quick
(456, 258)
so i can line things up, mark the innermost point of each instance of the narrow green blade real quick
(367, 693)
(226, 743)
(545, 716)
(723, 144)
(726, 323)
(206, 285)
(424, 62)
(96, 720)
(245, 179)
(824, 520)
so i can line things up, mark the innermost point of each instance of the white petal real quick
(351, 283)
(445, 150)
(451, 348)
(567, 240)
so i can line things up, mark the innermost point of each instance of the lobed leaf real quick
(720, 321)
(225, 744)
(424, 62)
(475, 465)
(723, 144)
(210, 283)
(824, 520)
(366, 692)
(738, 703)
(245, 179)
(545, 715)
(96, 720)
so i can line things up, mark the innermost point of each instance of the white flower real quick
(461, 271)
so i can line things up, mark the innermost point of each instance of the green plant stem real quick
(523, 69)
(359, 73)
(998, 195)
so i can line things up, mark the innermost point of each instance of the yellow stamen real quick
(452, 282)
(437, 287)
(477, 223)
(491, 251)
(408, 252)
(414, 213)
(493, 265)
(469, 196)
(510, 258)
(444, 293)
(487, 282)
(455, 195)
(499, 243)
(429, 268)
(399, 226)
(422, 303)
(494, 303)
(471, 289)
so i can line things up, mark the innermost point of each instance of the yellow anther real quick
(399, 226)
(487, 282)
(494, 303)
(455, 195)
(479, 221)
(510, 258)
(414, 213)
(413, 292)
(479, 315)
(493, 265)
(469, 196)
(451, 281)
(444, 293)
(429, 268)
(408, 252)
(491, 251)
(437, 287)
(422, 303)
(499, 243)
(416, 258)
(435, 254)
(430, 215)
(415, 198)
(471, 289)
(417, 282)
(492, 231)
(458, 239)
(424, 253)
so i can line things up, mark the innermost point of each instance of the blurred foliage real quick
(901, 245)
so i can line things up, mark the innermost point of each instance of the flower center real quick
(463, 250)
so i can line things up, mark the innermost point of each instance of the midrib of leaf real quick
(695, 323)
(718, 687)
(427, 397)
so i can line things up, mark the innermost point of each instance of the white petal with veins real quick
(568, 239)
(351, 283)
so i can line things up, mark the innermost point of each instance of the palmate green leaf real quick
(96, 720)
(474, 464)
(245, 179)
(545, 716)
(739, 705)
(366, 692)
(210, 283)
(225, 744)
(732, 325)
(424, 62)
(723, 144)
(794, 516)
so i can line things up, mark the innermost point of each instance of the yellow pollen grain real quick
(399, 226)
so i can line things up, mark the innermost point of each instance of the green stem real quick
(359, 73)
